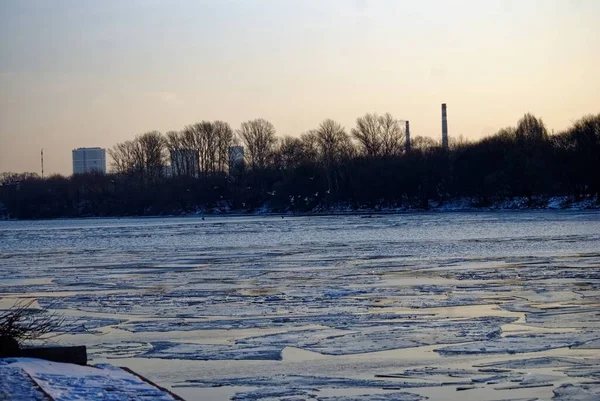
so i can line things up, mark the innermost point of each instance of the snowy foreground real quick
(444, 306)
(23, 379)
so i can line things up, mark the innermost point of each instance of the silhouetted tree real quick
(183, 161)
(423, 143)
(150, 154)
(123, 157)
(333, 143)
(259, 138)
(577, 157)
(224, 140)
(379, 136)
(290, 153)
(322, 168)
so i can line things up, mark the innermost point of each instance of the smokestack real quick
(407, 136)
(444, 127)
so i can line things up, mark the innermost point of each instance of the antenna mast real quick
(42, 156)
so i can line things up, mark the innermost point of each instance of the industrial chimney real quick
(407, 146)
(444, 127)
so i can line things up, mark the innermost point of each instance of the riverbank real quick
(454, 205)
(467, 205)
(41, 380)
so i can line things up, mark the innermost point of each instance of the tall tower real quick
(407, 130)
(444, 127)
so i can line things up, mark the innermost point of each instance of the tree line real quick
(328, 167)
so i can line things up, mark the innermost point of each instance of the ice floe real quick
(577, 392)
(172, 350)
(514, 344)
(67, 382)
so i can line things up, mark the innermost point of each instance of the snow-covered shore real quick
(39, 380)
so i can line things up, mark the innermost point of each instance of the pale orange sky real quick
(92, 73)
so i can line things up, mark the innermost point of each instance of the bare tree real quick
(224, 139)
(173, 140)
(367, 133)
(211, 140)
(205, 140)
(9, 178)
(259, 137)
(174, 147)
(334, 145)
(458, 142)
(531, 129)
(379, 135)
(188, 139)
(150, 153)
(393, 135)
(333, 142)
(423, 143)
(291, 152)
(310, 145)
(184, 158)
(124, 157)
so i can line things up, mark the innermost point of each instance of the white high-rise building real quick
(87, 160)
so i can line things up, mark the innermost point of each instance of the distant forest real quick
(325, 169)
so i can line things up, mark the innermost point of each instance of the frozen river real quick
(449, 306)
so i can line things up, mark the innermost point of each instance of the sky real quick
(83, 73)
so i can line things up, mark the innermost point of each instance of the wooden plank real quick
(175, 396)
